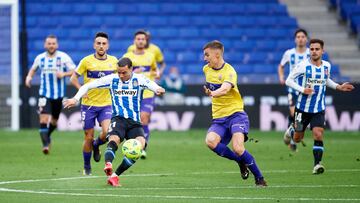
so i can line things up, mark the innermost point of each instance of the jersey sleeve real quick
(231, 77)
(81, 69)
(146, 83)
(285, 58)
(69, 63)
(36, 63)
(159, 57)
(103, 82)
(294, 74)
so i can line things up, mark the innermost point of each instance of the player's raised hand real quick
(345, 87)
(160, 91)
(68, 103)
(308, 91)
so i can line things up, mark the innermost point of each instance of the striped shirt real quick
(52, 87)
(125, 96)
(316, 78)
(293, 58)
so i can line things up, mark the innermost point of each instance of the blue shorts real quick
(227, 126)
(90, 113)
(147, 105)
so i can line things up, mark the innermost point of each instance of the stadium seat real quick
(82, 8)
(148, 8)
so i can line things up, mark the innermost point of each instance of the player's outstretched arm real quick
(29, 77)
(345, 87)
(224, 89)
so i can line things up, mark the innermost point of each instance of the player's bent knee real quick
(211, 141)
(239, 149)
(142, 141)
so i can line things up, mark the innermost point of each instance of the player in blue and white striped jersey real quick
(314, 76)
(55, 66)
(126, 90)
(293, 57)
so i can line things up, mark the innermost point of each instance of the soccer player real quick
(153, 48)
(293, 57)
(144, 62)
(126, 91)
(310, 78)
(55, 66)
(230, 121)
(97, 103)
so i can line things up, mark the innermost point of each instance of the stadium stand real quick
(255, 32)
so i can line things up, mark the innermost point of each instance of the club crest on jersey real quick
(58, 62)
(135, 83)
(220, 77)
(110, 65)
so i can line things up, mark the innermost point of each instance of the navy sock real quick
(51, 128)
(110, 151)
(249, 160)
(224, 151)
(318, 149)
(44, 130)
(125, 164)
(87, 158)
(98, 142)
(290, 120)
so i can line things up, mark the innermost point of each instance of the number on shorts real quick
(111, 126)
(42, 102)
(83, 115)
(298, 117)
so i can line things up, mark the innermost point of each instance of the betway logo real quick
(314, 81)
(125, 92)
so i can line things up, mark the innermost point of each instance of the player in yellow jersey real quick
(144, 62)
(153, 48)
(230, 122)
(97, 103)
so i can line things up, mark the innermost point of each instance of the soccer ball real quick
(132, 149)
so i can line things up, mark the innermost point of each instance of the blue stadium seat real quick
(82, 8)
(69, 21)
(177, 44)
(125, 9)
(264, 68)
(170, 8)
(105, 9)
(243, 21)
(248, 45)
(179, 20)
(266, 45)
(157, 21)
(189, 32)
(243, 69)
(38, 8)
(194, 68)
(187, 57)
(114, 21)
(211, 33)
(201, 20)
(60, 8)
(148, 8)
(136, 21)
(167, 32)
(214, 8)
(256, 9)
(191, 8)
(234, 57)
(232, 32)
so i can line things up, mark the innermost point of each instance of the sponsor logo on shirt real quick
(125, 92)
(314, 81)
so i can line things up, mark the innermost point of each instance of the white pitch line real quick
(178, 196)
(173, 174)
(202, 188)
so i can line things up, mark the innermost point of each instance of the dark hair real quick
(102, 34)
(214, 45)
(124, 62)
(141, 32)
(319, 41)
(52, 36)
(300, 30)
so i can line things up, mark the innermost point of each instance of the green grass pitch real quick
(179, 168)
